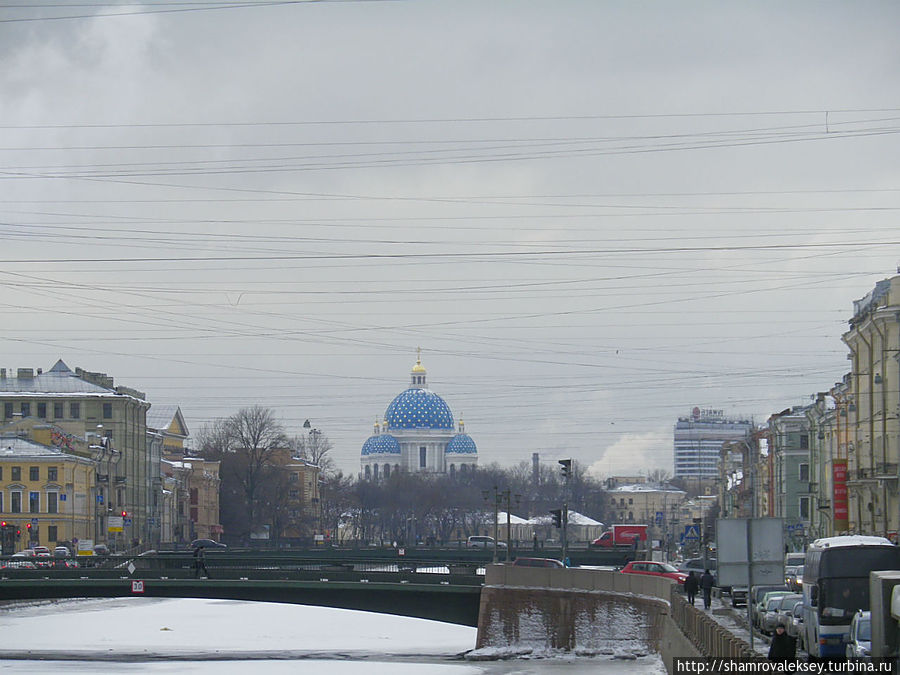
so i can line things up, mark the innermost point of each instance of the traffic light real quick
(28, 526)
(557, 517)
(566, 468)
(124, 514)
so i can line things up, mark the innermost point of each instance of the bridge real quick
(426, 588)
(587, 610)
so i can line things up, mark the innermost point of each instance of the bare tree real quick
(250, 442)
(314, 447)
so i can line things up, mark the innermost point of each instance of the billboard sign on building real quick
(839, 497)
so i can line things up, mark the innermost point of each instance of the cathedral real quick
(418, 434)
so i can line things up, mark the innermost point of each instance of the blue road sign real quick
(691, 533)
(659, 516)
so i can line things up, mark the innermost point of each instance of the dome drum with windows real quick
(418, 434)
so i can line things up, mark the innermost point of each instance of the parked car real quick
(793, 578)
(20, 563)
(478, 541)
(696, 566)
(537, 562)
(795, 626)
(43, 559)
(780, 610)
(62, 552)
(207, 543)
(859, 640)
(657, 569)
(763, 606)
(756, 596)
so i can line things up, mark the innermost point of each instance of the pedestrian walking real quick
(200, 562)
(691, 586)
(706, 585)
(783, 647)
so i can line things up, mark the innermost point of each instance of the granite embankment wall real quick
(595, 612)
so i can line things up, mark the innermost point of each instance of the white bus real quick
(836, 585)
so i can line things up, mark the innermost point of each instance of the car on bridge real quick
(656, 569)
(207, 543)
(483, 542)
(537, 562)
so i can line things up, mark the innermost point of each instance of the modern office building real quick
(698, 442)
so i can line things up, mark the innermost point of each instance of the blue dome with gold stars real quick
(418, 408)
(461, 444)
(383, 444)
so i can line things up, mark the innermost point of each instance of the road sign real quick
(659, 516)
(34, 521)
(127, 522)
(691, 533)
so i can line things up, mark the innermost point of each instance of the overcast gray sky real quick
(591, 216)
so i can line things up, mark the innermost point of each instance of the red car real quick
(656, 569)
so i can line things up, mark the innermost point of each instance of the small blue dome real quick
(461, 444)
(383, 444)
(418, 409)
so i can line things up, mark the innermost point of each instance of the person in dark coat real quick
(783, 646)
(706, 584)
(200, 562)
(691, 586)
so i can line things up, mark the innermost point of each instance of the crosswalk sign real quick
(691, 533)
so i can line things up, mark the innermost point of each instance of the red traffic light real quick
(3, 524)
(124, 514)
(27, 526)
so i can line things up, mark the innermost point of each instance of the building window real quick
(804, 441)
(57, 411)
(15, 499)
(34, 502)
(52, 474)
(52, 502)
(422, 457)
(75, 410)
(194, 514)
(368, 471)
(630, 501)
(107, 411)
(26, 410)
(295, 494)
(630, 516)
(375, 471)
(195, 495)
(804, 473)
(16, 473)
(804, 507)
(34, 473)
(42, 410)
(295, 477)
(387, 470)
(52, 533)
(7, 410)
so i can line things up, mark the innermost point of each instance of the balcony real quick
(886, 470)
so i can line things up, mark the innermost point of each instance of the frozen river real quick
(149, 635)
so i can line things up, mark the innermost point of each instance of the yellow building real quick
(873, 425)
(87, 407)
(48, 494)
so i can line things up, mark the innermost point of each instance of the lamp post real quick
(498, 497)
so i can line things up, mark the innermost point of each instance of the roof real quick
(647, 487)
(161, 417)
(58, 381)
(850, 540)
(16, 446)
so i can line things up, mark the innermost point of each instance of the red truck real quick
(621, 536)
